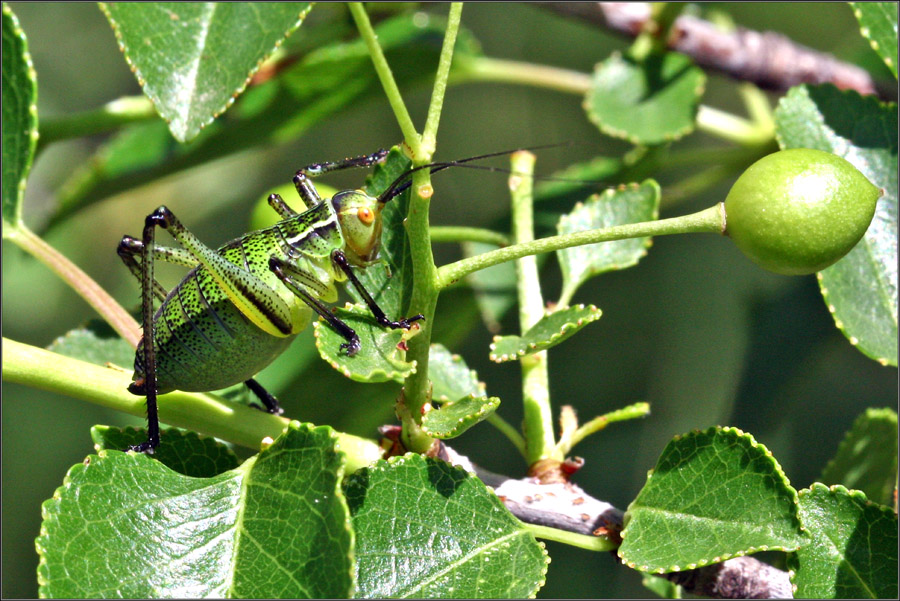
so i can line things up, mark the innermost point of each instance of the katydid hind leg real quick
(253, 298)
(149, 384)
(130, 249)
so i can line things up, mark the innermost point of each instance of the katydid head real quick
(359, 216)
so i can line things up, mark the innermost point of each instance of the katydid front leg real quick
(285, 271)
(340, 259)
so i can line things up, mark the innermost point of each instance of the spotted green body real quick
(241, 305)
(203, 341)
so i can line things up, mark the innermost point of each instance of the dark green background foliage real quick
(696, 330)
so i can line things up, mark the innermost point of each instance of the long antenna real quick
(404, 180)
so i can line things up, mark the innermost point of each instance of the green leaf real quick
(866, 460)
(852, 551)
(878, 24)
(95, 343)
(427, 529)
(647, 102)
(626, 204)
(549, 331)
(451, 379)
(125, 525)
(381, 357)
(455, 417)
(20, 130)
(283, 109)
(494, 288)
(458, 387)
(860, 289)
(569, 180)
(194, 58)
(713, 495)
(187, 453)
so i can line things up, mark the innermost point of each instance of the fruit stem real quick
(711, 220)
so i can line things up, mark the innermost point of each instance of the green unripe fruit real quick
(798, 211)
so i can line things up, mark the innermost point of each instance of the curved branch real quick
(768, 59)
(566, 506)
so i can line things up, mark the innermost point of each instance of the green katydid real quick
(241, 305)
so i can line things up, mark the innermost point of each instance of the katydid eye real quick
(365, 215)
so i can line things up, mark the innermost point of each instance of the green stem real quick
(567, 443)
(713, 121)
(731, 127)
(410, 135)
(653, 39)
(81, 282)
(711, 220)
(538, 412)
(509, 431)
(200, 412)
(758, 106)
(429, 134)
(484, 68)
(591, 543)
(417, 387)
(451, 233)
(112, 115)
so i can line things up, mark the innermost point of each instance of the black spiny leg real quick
(340, 259)
(305, 187)
(128, 249)
(148, 386)
(267, 398)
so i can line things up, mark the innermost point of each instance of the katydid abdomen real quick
(203, 342)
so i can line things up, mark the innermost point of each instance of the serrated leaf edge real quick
(593, 315)
(820, 120)
(888, 60)
(606, 194)
(470, 420)
(623, 135)
(833, 491)
(384, 465)
(396, 374)
(48, 515)
(168, 432)
(33, 132)
(180, 136)
(840, 489)
(737, 432)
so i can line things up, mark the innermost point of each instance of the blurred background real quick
(695, 329)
